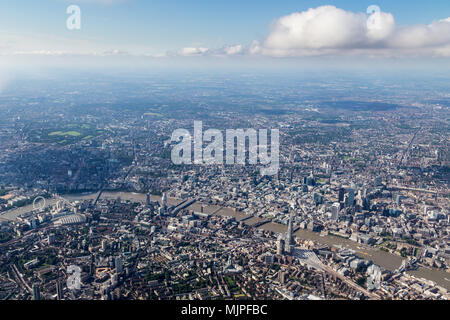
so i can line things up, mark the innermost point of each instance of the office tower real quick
(111, 262)
(335, 208)
(51, 239)
(396, 198)
(269, 259)
(119, 264)
(366, 203)
(318, 198)
(36, 292)
(59, 290)
(91, 268)
(280, 245)
(281, 277)
(310, 181)
(114, 280)
(341, 194)
(351, 195)
(104, 245)
(164, 202)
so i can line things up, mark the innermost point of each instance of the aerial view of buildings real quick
(94, 207)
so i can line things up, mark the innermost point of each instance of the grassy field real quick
(153, 114)
(64, 135)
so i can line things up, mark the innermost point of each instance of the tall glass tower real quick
(289, 244)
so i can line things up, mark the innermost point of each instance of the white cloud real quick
(41, 53)
(330, 30)
(192, 51)
(325, 30)
(255, 48)
(202, 51)
(380, 25)
(436, 34)
(232, 50)
(115, 52)
(321, 28)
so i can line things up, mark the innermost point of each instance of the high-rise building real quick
(289, 244)
(50, 239)
(59, 290)
(341, 194)
(351, 195)
(310, 181)
(335, 208)
(364, 192)
(280, 245)
(281, 277)
(36, 292)
(164, 202)
(318, 198)
(366, 203)
(397, 198)
(114, 280)
(118, 264)
(104, 245)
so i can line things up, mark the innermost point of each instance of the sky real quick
(232, 32)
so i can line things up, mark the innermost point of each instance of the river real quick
(386, 260)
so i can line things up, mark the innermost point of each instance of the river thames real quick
(384, 259)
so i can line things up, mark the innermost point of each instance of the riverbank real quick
(384, 259)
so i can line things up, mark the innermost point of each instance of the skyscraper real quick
(280, 245)
(289, 244)
(281, 277)
(318, 198)
(397, 198)
(341, 194)
(118, 264)
(351, 195)
(335, 208)
(59, 290)
(36, 292)
(164, 202)
(310, 181)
